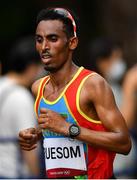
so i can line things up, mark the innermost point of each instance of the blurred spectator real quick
(0, 67)
(129, 109)
(107, 59)
(129, 105)
(16, 110)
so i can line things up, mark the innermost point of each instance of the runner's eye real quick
(39, 39)
(53, 38)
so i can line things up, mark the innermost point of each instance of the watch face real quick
(74, 130)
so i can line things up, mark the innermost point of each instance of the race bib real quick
(64, 157)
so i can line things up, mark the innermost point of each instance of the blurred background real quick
(112, 18)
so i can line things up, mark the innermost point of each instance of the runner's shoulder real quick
(95, 80)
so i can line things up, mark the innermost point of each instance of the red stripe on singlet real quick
(72, 92)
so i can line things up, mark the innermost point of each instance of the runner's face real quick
(52, 44)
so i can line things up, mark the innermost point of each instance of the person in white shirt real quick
(16, 110)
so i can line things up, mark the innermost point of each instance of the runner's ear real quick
(73, 43)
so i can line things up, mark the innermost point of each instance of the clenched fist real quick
(28, 138)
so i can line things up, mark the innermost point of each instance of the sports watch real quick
(74, 130)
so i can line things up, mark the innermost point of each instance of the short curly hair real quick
(61, 14)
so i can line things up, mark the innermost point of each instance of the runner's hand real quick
(28, 139)
(53, 121)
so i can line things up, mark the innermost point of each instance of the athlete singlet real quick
(66, 157)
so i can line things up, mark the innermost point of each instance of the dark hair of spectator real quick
(22, 54)
(101, 49)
